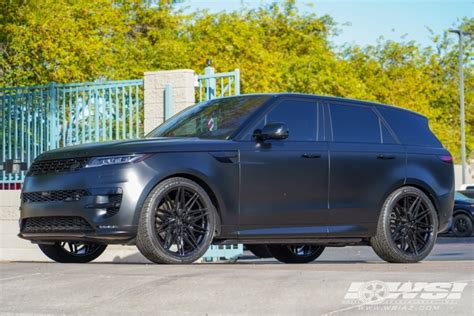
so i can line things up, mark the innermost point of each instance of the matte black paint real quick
(262, 190)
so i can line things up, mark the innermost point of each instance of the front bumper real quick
(97, 204)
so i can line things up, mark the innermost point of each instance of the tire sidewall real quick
(393, 198)
(148, 213)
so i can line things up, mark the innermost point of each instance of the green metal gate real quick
(212, 85)
(39, 118)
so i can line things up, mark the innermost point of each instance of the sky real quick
(369, 19)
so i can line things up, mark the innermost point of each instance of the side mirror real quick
(271, 131)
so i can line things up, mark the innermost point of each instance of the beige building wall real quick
(182, 83)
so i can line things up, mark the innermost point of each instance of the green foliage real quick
(276, 47)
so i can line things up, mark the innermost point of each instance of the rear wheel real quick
(177, 222)
(72, 252)
(462, 225)
(295, 253)
(260, 251)
(407, 227)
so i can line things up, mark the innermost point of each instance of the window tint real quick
(299, 116)
(387, 138)
(215, 119)
(356, 124)
(411, 129)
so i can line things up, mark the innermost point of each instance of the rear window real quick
(411, 129)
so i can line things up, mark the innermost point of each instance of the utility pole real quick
(461, 101)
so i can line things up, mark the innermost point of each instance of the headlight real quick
(113, 160)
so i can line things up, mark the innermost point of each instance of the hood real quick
(145, 145)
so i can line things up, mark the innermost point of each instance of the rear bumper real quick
(445, 211)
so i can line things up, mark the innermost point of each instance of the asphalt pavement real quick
(343, 281)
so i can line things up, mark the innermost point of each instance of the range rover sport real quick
(285, 174)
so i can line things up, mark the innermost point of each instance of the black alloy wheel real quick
(295, 253)
(462, 225)
(72, 252)
(177, 223)
(407, 227)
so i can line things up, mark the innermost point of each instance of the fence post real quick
(210, 83)
(168, 101)
(51, 116)
(237, 81)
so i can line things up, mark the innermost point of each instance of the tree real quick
(276, 47)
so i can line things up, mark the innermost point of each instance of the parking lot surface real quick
(343, 281)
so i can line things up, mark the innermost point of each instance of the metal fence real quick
(36, 119)
(39, 118)
(215, 85)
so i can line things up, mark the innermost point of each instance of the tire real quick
(295, 253)
(72, 252)
(177, 222)
(260, 251)
(407, 227)
(462, 225)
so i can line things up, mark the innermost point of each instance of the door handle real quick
(311, 156)
(385, 157)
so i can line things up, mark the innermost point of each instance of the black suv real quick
(284, 174)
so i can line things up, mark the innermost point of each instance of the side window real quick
(387, 138)
(300, 117)
(354, 124)
(410, 128)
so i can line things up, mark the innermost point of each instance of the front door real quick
(284, 183)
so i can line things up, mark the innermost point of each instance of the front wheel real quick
(295, 253)
(72, 252)
(177, 222)
(407, 227)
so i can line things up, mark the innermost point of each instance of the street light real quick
(461, 101)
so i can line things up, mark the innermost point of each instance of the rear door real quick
(366, 164)
(284, 183)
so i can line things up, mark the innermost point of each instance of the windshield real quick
(215, 119)
(460, 196)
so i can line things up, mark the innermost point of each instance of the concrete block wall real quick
(182, 82)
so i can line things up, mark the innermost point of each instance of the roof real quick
(330, 98)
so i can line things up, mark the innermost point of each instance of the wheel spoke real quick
(169, 237)
(163, 226)
(412, 241)
(197, 228)
(190, 239)
(196, 218)
(190, 203)
(414, 207)
(423, 214)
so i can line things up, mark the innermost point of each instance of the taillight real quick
(446, 158)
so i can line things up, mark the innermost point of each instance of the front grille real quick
(52, 196)
(43, 167)
(55, 224)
